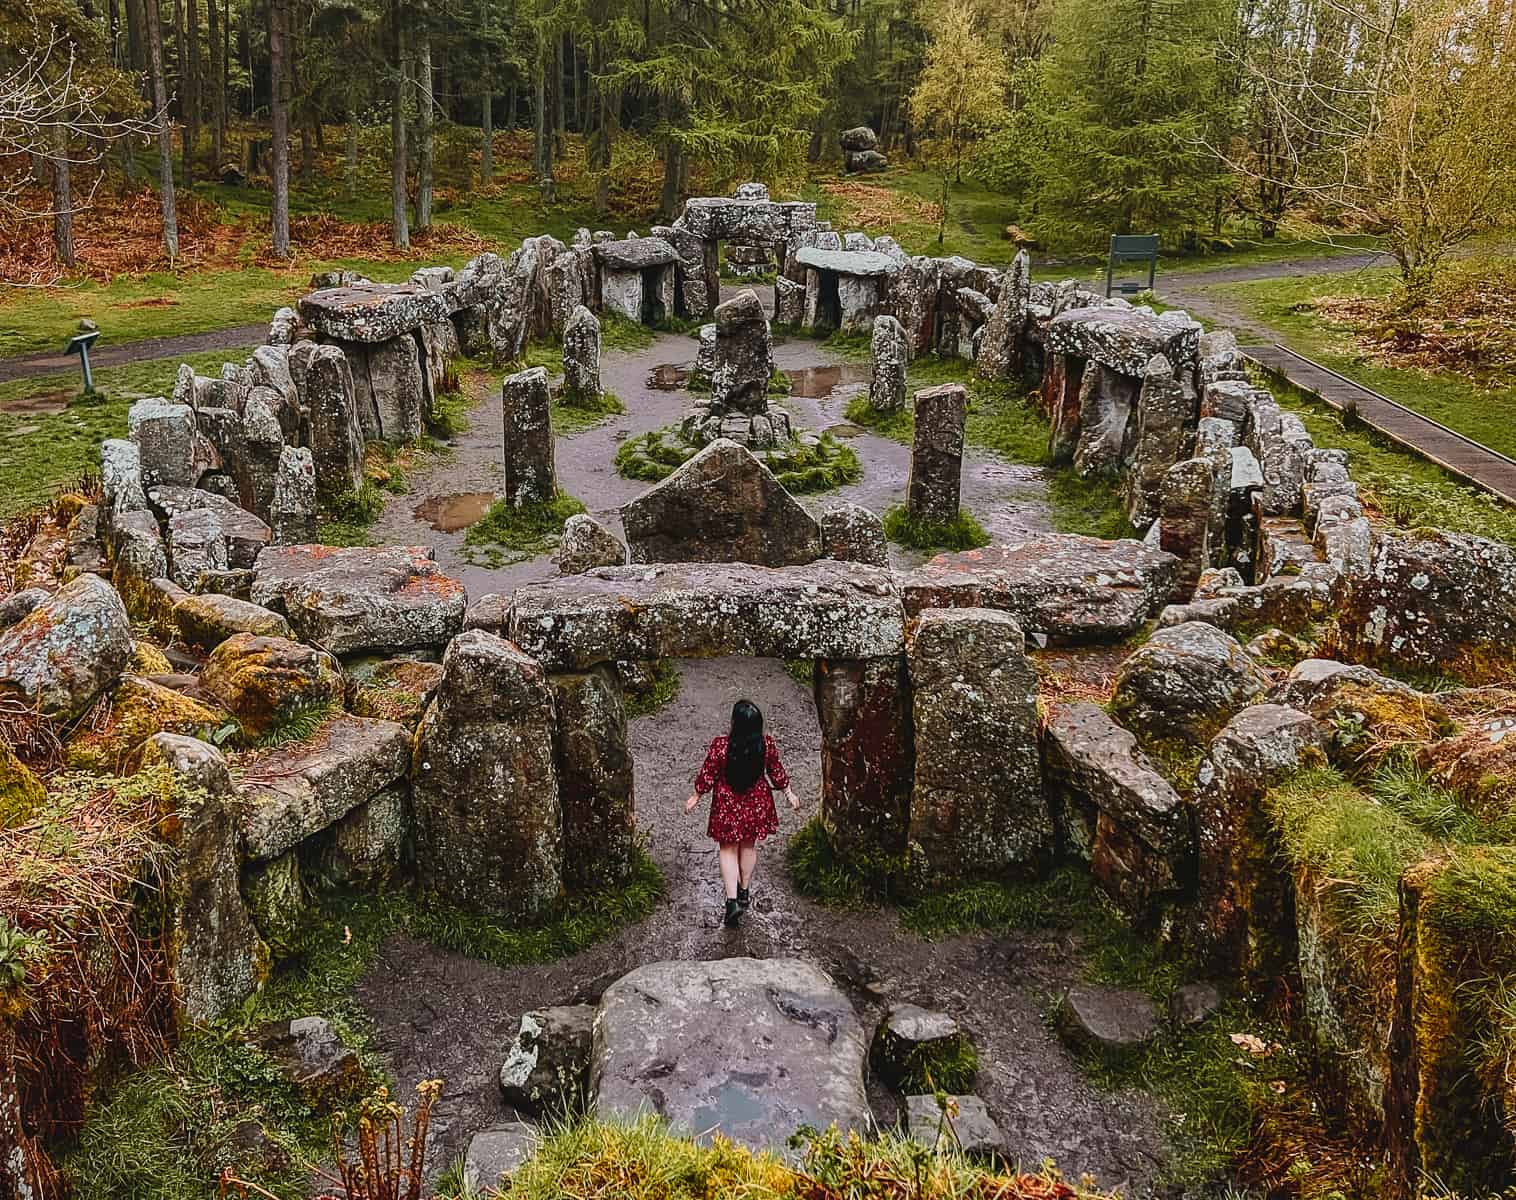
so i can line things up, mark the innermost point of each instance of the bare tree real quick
(191, 87)
(425, 100)
(165, 133)
(279, 107)
(400, 232)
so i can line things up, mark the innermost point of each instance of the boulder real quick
(196, 546)
(1358, 707)
(530, 477)
(489, 826)
(255, 463)
(1435, 600)
(1192, 1004)
(207, 621)
(371, 313)
(586, 544)
(216, 957)
(634, 254)
(858, 162)
(977, 804)
(292, 508)
(916, 1047)
(723, 505)
(294, 791)
(212, 532)
(1119, 813)
(744, 356)
(851, 533)
(495, 1154)
(824, 609)
(1062, 585)
(136, 545)
(359, 598)
(278, 901)
(172, 449)
(265, 680)
(753, 1049)
(21, 604)
(966, 1127)
(367, 845)
(890, 355)
(581, 358)
(311, 1054)
(594, 778)
(932, 491)
(1192, 512)
(1185, 682)
(67, 650)
(139, 708)
(1106, 1022)
(859, 138)
(547, 1068)
(336, 430)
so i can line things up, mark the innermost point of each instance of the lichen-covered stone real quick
(1185, 682)
(336, 429)
(1121, 814)
(171, 447)
(1000, 347)
(977, 804)
(367, 845)
(851, 533)
(890, 355)
(594, 778)
(723, 505)
(530, 477)
(1106, 401)
(587, 544)
(489, 826)
(1125, 338)
(264, 681)
(310, 1053)
(864, 708)
(824, 609)
(373, 312)
(1162, 413)
(68, 650)
(361, 598)
(932, 490)
(277, 901)
(744, 356)
(397, 689)
(752, 1049)
(789, 302)
(139, 708)
(208, 620)
(292, 508)
(1063, 585)
(294, 791)
(581, 358)
(547, 1067)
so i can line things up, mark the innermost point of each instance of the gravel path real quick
(105, 354)
(443, 1015)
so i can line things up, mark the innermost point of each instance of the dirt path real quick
(443, 1015)
(107, 355)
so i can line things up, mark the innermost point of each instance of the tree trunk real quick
(165, 131)
(217, 87)
(424, 128)
(350, 166)
(63, 202)
(192, 89)
(115, 30)
(673, 167)
(557, 98)
(487, 144)
(541, 154)
(510, 107)
(180, 55)
(400, 232)
(135, 23)
(279, 109)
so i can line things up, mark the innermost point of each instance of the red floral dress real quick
(746, 816)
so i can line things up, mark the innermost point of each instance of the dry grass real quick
(870, 206)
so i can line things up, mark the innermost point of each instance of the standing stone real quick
(594, 778)
(1163, 408)
(912, 296)
(1105, 409)
(396, 384)
(484, 785)
(581, 358)
(587, 544)
(529, 473)
(851, 533)
(789, 302)
(937, 452)
(292, 513)
(1000, 345)
(977, 805)
(169, 443)
(1187, 498)
(336, 433)
(887, 386)
(744, 356)
(864, 707)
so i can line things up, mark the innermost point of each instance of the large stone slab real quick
(372, 312)
(752, 1049)
(361, 597)
(1124, 339)
(1062, 585)
(721, 506)
(291, 792)
(825, 609)
(635, 254)
(846, 262)
(595, 778)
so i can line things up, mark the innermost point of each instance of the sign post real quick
(79, 344)
(1131, 247)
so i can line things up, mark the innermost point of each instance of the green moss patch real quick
(662, 687)
(963, 532)
(801, 469)
(507, 534)
(574, 416)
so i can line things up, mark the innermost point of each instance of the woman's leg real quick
(747, 862)
(730, 868)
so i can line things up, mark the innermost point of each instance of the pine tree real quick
(1131, 95)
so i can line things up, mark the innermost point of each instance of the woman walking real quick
(739, 768)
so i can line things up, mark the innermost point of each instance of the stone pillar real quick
(1000, 349)
(744, 356)
(1187, 512)
(937, 452)
(1106, 398)
(789, 302)
(581, 358)
(292, 514)
(594, 778)
(489, 827)
(864, 707)
(528, 428)
(1163, 413)
(977, 806)
(336, 433)
(887, 386)
(1061, 380)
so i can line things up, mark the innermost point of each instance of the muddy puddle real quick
(449, 514)
(817, 383)
(844, 429)
(669, 377)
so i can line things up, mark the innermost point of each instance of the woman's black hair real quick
(744, 747)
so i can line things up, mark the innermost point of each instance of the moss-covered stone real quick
(276, 900)
(397, 690)
(148, 659)
(265, 680)
(139, 709)
(21, 792)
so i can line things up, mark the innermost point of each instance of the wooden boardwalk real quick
(1464, 457)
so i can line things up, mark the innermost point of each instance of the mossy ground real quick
(664, 686)
(801, 469)
(963, 532)
(571, 417)
(507, 533)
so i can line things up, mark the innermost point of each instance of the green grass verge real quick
(664, 686)
(802, 469)
(963, 532)
(507, 534)
(571, 418)
(166, 1131)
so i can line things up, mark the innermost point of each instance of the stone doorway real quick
(828, 303)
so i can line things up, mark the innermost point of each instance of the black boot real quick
(733, 912)
(743, 898)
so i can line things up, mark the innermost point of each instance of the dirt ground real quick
(440, 1014)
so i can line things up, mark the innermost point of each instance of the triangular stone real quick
(721, 506)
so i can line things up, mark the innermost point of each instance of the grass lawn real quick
(1289, 305)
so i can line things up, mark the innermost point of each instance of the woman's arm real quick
(778, 776)
(706, 779)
